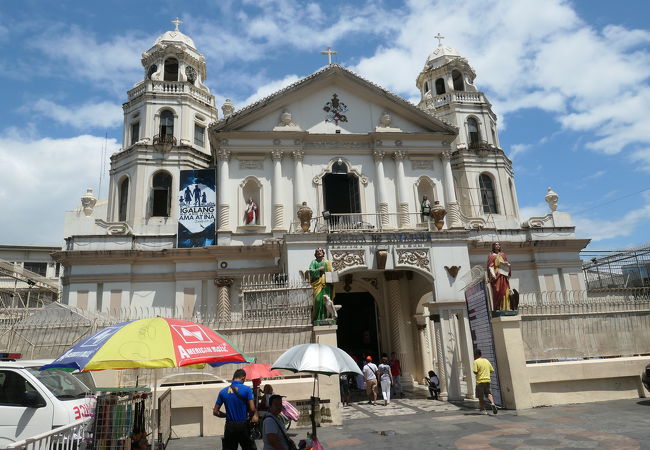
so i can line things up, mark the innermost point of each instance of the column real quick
(424, 345)
(403, 206)
(394, 303)
(224, 178)
(276, 189)
(223, 298)
(441, 368)
(380, 190)
(299, 191)
(453, 210)
(450, 354)
(467, 352)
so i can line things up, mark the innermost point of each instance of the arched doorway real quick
(357, 331)
(341, 194)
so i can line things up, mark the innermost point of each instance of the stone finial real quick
(551, 198)
(385, 120)
(88, 201)
(228, 108)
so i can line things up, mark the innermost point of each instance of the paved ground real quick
(414, 423)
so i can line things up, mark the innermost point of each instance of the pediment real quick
(333, 101)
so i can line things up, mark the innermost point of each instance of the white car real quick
(34, 401)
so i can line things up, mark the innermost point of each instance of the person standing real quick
(385, 378)
(370, 376)
(434, 382)
(396, 373)
(238, 401)
(483, 368)
(274, 434)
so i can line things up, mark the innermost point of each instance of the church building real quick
(405, 200)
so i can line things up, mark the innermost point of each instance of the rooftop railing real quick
(365, 222)
(171, 87)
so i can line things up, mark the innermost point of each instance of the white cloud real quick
(538, 210)
(88, 115)
(518, 149)
(610, 228)
(41, 179)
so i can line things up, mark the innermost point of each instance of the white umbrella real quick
(317, 358)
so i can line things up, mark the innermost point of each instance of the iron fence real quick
(627, 269)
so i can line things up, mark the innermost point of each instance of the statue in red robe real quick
(499, 271)
(250, 217)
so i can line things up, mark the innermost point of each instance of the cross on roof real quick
(329, 52)
(177, 22)
(440, 37)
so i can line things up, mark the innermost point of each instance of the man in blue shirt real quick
(238, 399)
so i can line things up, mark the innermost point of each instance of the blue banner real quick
(197, 204)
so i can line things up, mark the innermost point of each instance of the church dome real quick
(175, 36)
(440, 51)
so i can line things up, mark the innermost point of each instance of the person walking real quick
(483, 368)
(385, 378)
(370, 376)
(274, 434)
(396, 373)
(434, 382)
(239, 404)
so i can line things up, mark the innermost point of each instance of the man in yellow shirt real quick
(482, 369)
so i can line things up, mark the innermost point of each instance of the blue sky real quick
(570, 82)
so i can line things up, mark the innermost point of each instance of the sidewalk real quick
(414, 423)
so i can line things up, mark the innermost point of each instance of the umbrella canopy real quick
(317, 358)
(149, 343)
(258, 370)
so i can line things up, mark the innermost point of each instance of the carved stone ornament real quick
(372, 282)
(305, 214)
(415, 257)
(385, 119)
(114, 228)
(228, 108)
(88, 201)
(223, 282)
(438, 213)
(551, 198)
(342, 259)
(382, 256)
(452, 271)
(285, 119)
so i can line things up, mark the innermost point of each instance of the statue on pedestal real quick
(320, 287)
(499, 271)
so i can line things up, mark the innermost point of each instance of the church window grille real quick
(440, 86)
(488, 199)
(472, 130)
(171, 69)
(199, 135)
(135, 132)
(166, 123)
(162, 184)
(457, 79)
(124, 199)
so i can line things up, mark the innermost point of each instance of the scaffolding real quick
(620, 269)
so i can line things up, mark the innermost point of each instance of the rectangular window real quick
(199, 135)
(39, 268)
(135, 132)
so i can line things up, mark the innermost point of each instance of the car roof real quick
(25, 363)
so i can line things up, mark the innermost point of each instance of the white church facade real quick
(362, 160)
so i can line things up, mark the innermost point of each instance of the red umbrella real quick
(254, 371)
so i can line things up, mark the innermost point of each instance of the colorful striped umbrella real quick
(149, 343)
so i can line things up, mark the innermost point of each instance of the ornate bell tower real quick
(165, 130)
(483, 174)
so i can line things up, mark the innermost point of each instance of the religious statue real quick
(425, 208)
(251, 212)
(499, 276)
(320, 287)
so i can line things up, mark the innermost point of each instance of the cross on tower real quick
(329, 52)
(177, 22)
(440, 37)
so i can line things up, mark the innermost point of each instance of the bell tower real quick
(483, 174)
(166, 116)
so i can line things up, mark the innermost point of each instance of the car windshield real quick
(62, 384)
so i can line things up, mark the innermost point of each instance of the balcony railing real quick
(171, 87)
(361, 223)
(465, 97)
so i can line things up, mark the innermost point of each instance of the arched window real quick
(457, 78)
(426, 87)
(513, 199)
(440, 86)
(472, 131)
(162, 187)
(124, 199)
(488, 199)
(166, 123)
(171, 69)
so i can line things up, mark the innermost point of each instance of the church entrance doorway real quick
(357, 331)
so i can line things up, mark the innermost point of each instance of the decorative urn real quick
(551, 198)
(438, 213)
(305, 214)
(285, 118)
(88, 201)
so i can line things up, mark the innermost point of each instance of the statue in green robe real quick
(320, 287)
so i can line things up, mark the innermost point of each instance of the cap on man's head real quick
(274, 396)
(368, 358)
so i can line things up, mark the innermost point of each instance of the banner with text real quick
(197, 204)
